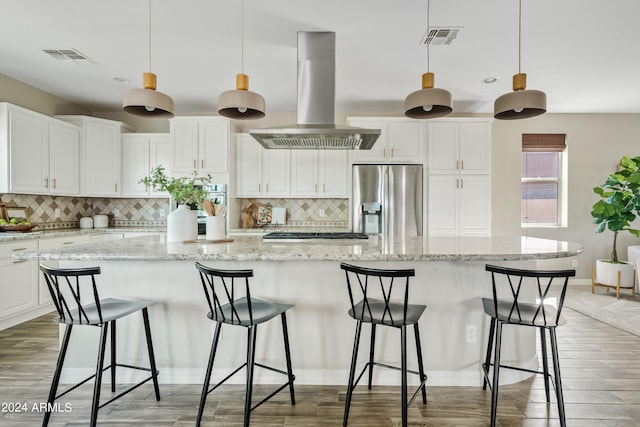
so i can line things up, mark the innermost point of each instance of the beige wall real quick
(595, 144)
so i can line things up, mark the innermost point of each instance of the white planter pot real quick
(182, 224)
(607, 273)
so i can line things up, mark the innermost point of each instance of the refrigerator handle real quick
(389, 202)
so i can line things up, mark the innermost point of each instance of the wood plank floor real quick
(600, 367)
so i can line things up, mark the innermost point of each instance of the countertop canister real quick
(86, 222)
(100, 221)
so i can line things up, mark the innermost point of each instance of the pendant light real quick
(147, 102)
(521, 103)
(241, 104)
(429, 102)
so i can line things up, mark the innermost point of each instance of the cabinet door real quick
(442, 205)
(160, 154)
(474, 206)
(276, 166)
(475, 148)
(213, 147)
(103, 159)
(442, 156)
(378, 152)
(334, 169)
(405, 141)
(18, 286)
(64, 159)
(304, 172)
(184, 140)
(135, 164)
(29, 151)
(248, 166)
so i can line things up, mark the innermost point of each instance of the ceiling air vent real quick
(69, 54)
(440, 35)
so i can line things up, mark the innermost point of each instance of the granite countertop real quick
(376, 248)
(41, 234)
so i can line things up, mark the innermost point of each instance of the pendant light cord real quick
(242, 40)
(519, 35)
(428, 34)
(149, 28)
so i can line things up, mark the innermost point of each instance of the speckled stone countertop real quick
(376, 248)
(9, 237)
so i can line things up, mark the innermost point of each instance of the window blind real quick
(543, 142)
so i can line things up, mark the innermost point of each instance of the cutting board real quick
(209, 241)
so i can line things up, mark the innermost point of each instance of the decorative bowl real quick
(21, 228)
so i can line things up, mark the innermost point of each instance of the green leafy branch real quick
(184, 190)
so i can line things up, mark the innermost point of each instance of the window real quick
(543, 180)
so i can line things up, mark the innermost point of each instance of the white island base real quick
(320, 331)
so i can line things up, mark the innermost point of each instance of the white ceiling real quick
(584, 54)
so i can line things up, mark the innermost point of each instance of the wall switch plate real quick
(163, 213)
(471, 334)
(321, 213)
(56, 213)
(116, 213)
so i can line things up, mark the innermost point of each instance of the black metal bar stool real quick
(75, 296)
(509, 307)
(373, 289)
(230, 302)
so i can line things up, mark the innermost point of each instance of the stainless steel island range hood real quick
(316, 128)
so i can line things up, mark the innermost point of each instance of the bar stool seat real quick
(374, 289)
(230, 302)
(75, 296)
(511, 304)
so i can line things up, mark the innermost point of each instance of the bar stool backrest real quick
(72, 289)
(371, 285)
(222, 288)
(508, 285)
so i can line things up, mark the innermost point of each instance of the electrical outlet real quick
(321, 213)
(163, 213)
(472, 336)
(116, 213)
(57, 213)
(574, 263)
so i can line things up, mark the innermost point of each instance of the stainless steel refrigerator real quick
(387, 199)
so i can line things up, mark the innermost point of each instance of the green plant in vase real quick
(184, 190)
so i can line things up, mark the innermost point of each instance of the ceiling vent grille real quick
(435, 36)
(69, 54)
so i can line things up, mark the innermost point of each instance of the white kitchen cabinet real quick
(260, 172)
(18, 285)
(459, 147)
(142, 152)
(42, 153)
(319, 173)
(401, 140)
(459, 205)
(99, 155)
(200, 144)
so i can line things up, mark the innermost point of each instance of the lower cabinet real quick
(18, 284)
(459, 205)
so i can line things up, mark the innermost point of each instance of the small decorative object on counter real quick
(182, 224)
(86, 222)
(215, 228)
(100, 221)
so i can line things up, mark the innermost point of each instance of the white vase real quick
(607, 273)
(182, 224)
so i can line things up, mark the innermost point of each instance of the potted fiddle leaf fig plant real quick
(182, 223)
(618, 207)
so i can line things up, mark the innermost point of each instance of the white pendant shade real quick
(521, 103)
(429, 102)
(241, 104)
(148, 102)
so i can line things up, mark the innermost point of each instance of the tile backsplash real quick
(152, 212)
(131, 212)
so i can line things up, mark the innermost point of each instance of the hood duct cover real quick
(316, 128)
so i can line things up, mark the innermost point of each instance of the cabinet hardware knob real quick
(19, 261)
(461, 164)
(53, 183)
(46, 183)
(19, 249)
(324, 188)
(457, 164)
(194, 163)
(315, 188)
(267, 188)
(67, 243)
(461, 182)
(116, 187)
(392, 152)
(202, 164)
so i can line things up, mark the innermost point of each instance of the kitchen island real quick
(450, 280)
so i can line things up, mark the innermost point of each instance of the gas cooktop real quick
(314, 235)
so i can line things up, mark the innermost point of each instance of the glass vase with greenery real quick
(188, 190)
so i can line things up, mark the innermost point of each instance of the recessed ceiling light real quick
(490, 80)
(122, 80)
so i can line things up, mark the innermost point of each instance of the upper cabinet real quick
(200, 144)
(142, 152)
(319, 173)
(401, 140)
(99, 155)
(459, 147)
(260, 172)
(40, 154)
